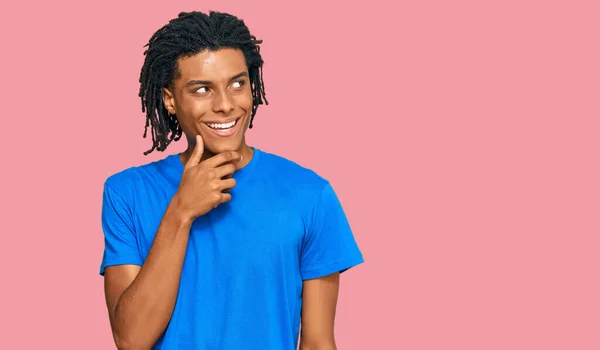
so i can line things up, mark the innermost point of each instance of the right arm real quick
(140, 300)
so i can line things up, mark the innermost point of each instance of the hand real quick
(203, 184)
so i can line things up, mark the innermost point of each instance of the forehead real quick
(212, 65)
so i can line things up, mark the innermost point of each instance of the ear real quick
(169, 100)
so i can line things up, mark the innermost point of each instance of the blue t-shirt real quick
(241, 283)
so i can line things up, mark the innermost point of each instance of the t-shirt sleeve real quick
(120, 244)
(329, 245)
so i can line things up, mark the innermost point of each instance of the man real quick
(223, 246)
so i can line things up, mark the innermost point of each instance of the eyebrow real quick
(208, 82)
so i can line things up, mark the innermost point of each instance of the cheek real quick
(186, 121)
(245, 100)
(188, 106)
(189, 110)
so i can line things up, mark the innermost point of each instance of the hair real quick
(188, 34)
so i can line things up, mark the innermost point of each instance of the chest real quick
(255, 227)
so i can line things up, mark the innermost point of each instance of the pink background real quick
(461, 136)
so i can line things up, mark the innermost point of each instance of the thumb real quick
(198, 151)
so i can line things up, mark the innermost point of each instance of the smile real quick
(222, 126)
(223, 129)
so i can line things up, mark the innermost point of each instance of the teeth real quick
(221, 126)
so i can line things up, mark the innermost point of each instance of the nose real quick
(223, 102)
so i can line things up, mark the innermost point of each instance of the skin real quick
(319, 299)
(212, 87)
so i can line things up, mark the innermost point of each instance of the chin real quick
(220, 146)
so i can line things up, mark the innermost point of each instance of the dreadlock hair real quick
(188, 34)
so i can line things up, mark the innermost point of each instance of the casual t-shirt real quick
(241, 283)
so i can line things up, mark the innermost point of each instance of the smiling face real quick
(212, 97)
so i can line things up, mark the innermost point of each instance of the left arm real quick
(319, 300)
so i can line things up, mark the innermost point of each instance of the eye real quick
(202, 90)
(238, 84)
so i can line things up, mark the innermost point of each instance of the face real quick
(212, 97)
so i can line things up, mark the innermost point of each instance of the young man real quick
(223, 246)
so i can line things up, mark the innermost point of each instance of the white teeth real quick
(221, 126)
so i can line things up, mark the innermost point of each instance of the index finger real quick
(197, 153)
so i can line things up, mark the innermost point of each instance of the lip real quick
(224, 133)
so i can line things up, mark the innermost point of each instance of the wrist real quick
(176, 210)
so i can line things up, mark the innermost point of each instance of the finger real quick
(225, 157)
(227, 184)
(225, 170)
(197, 153)
(225, 197)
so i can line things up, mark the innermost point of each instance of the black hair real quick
(188, 34)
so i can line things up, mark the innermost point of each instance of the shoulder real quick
(126, 181)
(291, 175)
(290, 170)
